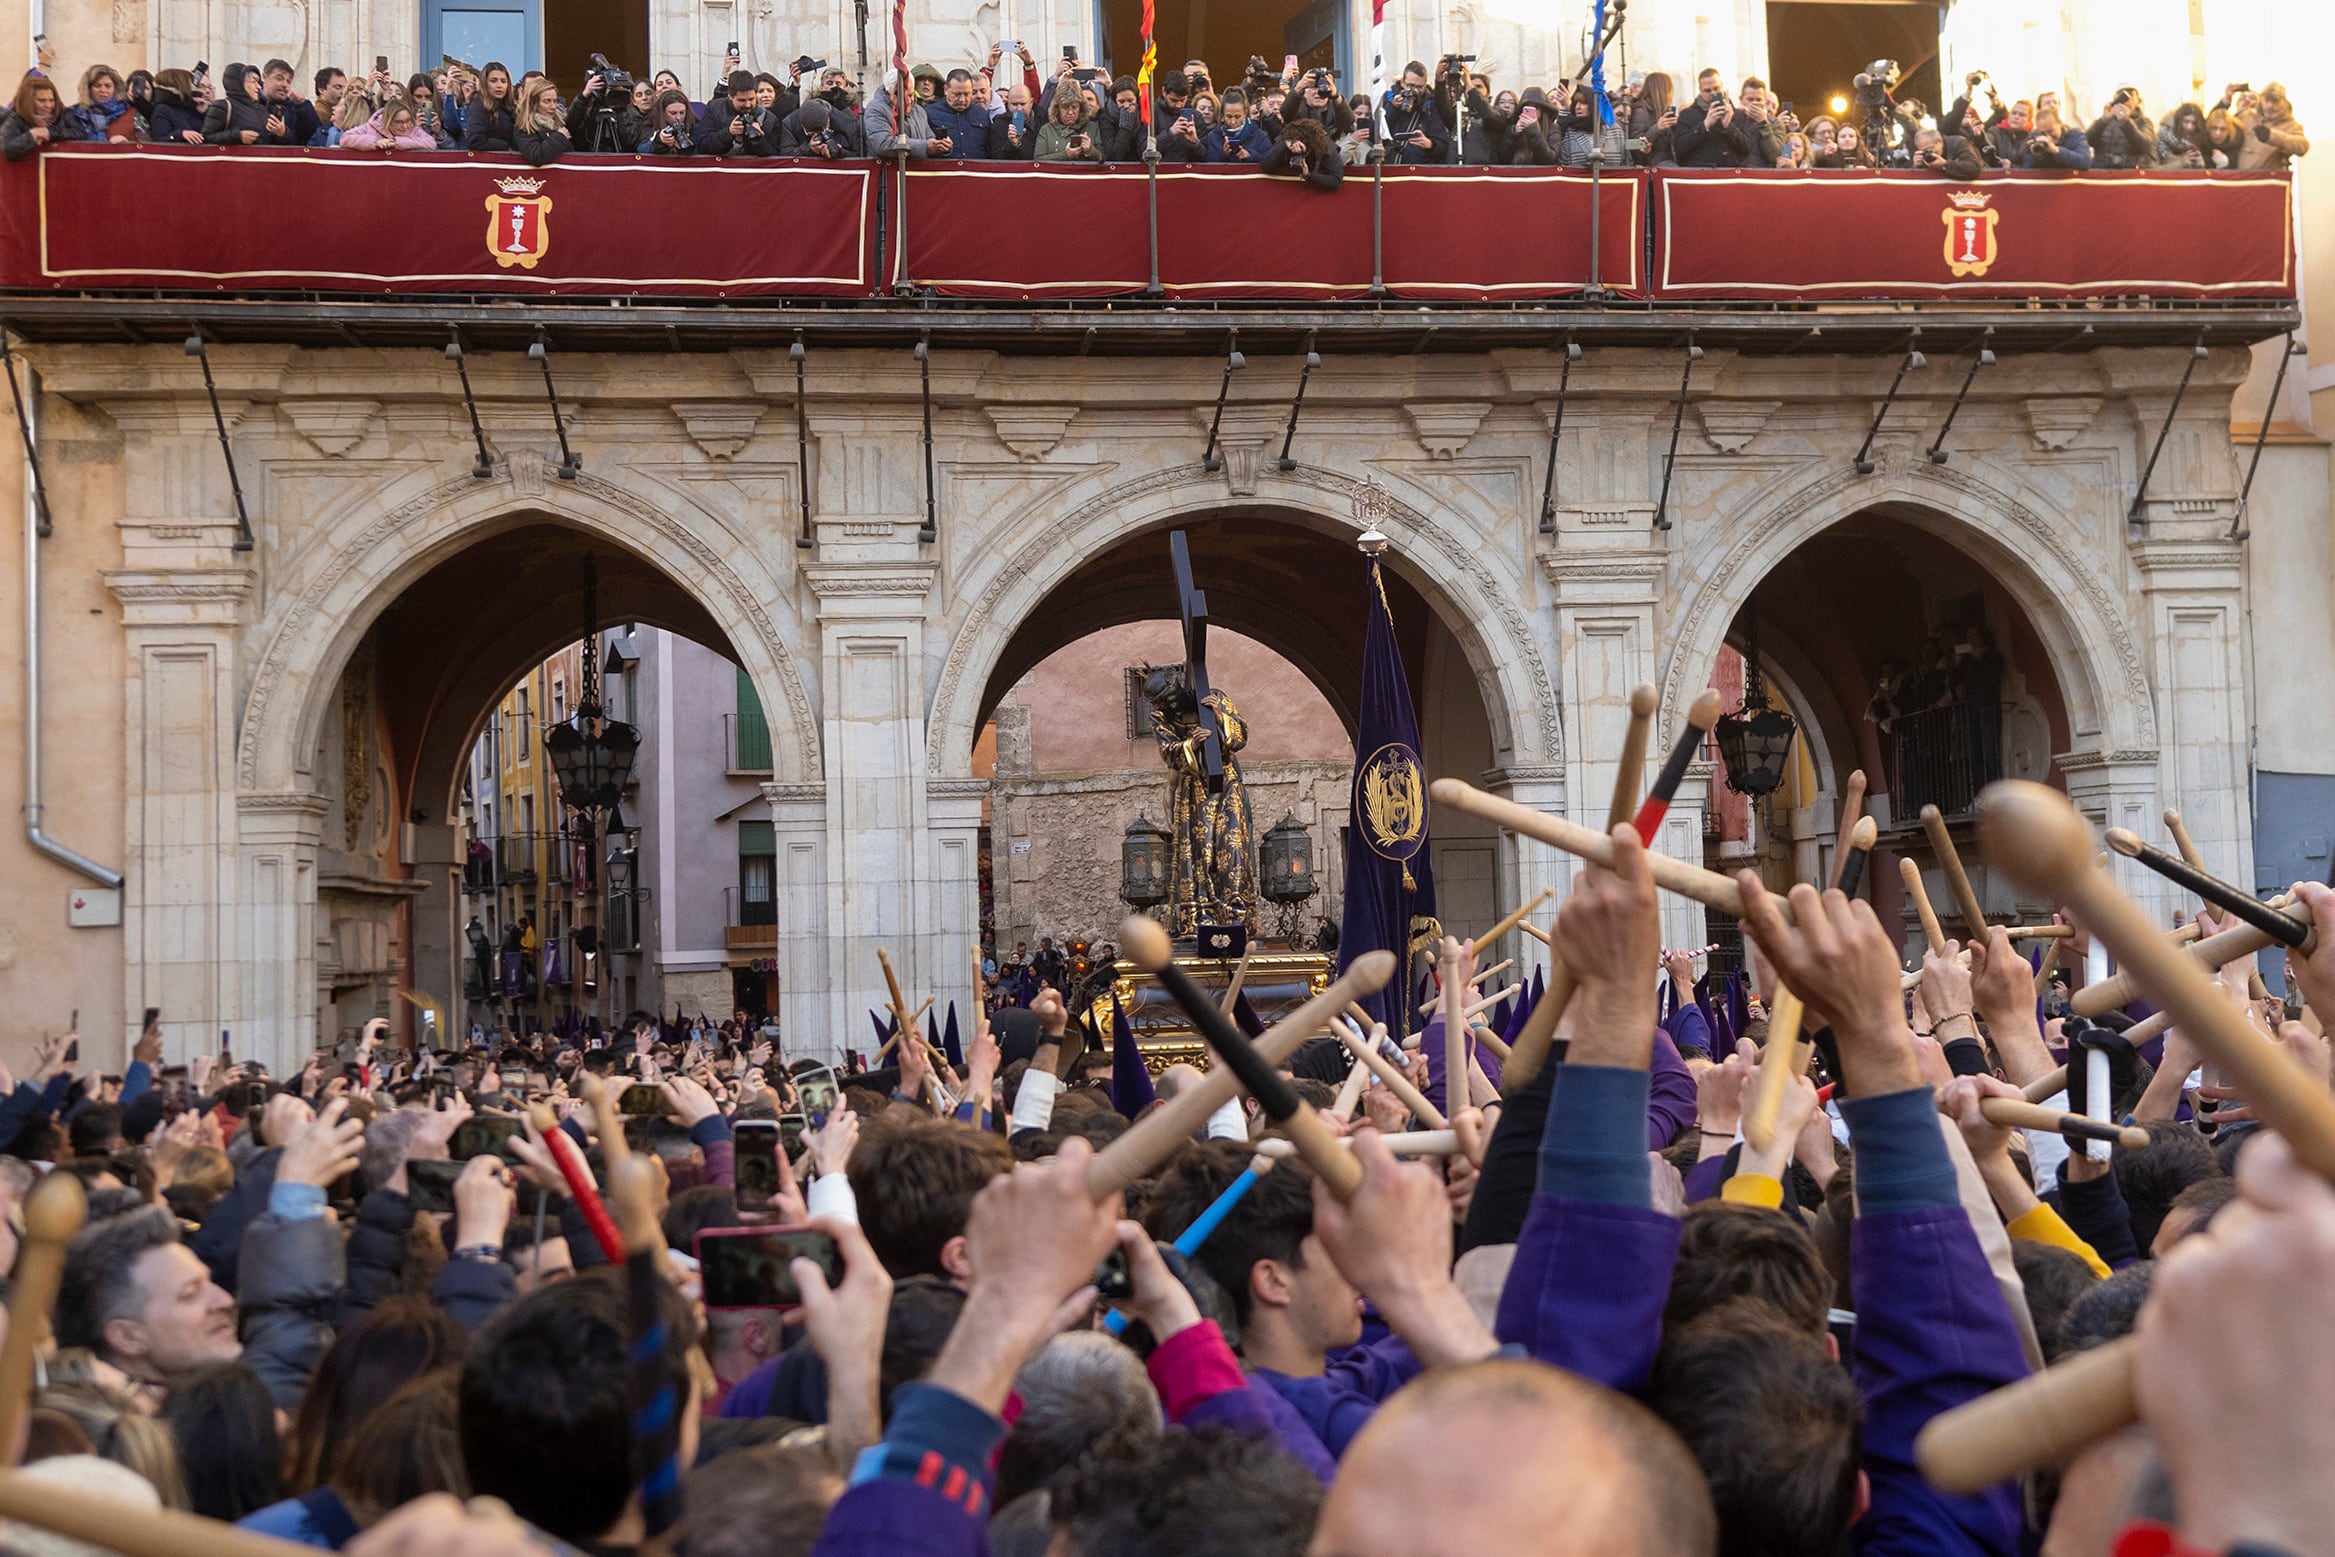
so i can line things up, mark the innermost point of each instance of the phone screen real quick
(758, 1145)
(746, 1267)
(791, 1128)
(481, 1134)
(641, 1100)
(430, 1184)
(818, 1091)
(73, 1052)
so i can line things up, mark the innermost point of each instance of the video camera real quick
(613, 82)
(1874, 82)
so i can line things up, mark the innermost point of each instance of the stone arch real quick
(345, 580)
(1480, 609)
(2111, 709)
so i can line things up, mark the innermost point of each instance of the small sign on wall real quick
(93, 908)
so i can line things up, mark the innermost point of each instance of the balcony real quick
(2196, 254)
(1944, 756)
(517, 860)
(748, 926)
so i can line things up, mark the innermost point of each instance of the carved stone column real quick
(1525, 865)
(279, 837)
(806, 975)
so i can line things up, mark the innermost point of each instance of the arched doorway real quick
(1286, 574)
(382, 666)
(1915, 648)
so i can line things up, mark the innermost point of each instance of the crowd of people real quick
(333, 1306)
(1298, 122)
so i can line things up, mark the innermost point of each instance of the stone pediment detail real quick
(1730, 425)
(1444, 427)
(2059, 420)
(1030, 430)
(333, 426)
(720, 428)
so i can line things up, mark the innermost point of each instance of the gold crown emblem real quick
(1968, 199)
(520, 185)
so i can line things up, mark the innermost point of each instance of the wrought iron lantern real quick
(1755, 742)
(590, 755)
(1143, 864)
(1288, 862)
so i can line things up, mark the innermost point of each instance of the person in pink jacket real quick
(391, 129)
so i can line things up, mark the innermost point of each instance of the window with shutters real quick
(757, 873)
(752, 754)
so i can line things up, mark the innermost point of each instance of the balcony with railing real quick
(1944, 756)
(749, 923)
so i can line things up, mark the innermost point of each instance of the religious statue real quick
(1212, 876)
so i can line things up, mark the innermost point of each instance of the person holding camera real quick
(1533, 137)
(1710, 133)
(1415, 132)
(1069, 133)
(812, 131)
(671, 133)
(1317, 99)
(2123, 137)
(1239, 138)
(1304, 151)
(1951, 155)
(736, 125)
(1770, 122)
(2256, 131)
(844, 135)
(2051, 144)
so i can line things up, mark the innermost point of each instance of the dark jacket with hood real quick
(1323, 168)
(490, 126)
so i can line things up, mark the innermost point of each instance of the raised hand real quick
(322, 1148)
(1610, 936)
(846, 1327)
(689, 1101)
(483, 1202)
(1842, 963)
(1393, 1241)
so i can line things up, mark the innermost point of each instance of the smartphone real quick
(73, 1052)
(758, 1143)
(252, 1095)
(1787, 108)
(1070, 52)
(641, 1101)
(733, 48)
(202, 68)
(751, 1267)
(226, 1048)
(818, 1092)
(793, 1127)
(482, 1134)
(1006, 48)
(514, 1078)
(1528, 114)
(381, 64)
(429, 1184)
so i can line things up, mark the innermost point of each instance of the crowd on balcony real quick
(1300, 122)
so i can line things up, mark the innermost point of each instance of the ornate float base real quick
(1278, 983)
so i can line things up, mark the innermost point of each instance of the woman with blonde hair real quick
(1068, 134)
(542, 135)
(394, 128)
(355, 109)
(103, 114)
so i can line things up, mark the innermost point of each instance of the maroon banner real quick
(1749, 236)
(199, 218)
(1457, 234)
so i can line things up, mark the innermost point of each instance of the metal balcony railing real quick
(1945, 756)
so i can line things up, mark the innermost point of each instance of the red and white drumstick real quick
(1700, 716)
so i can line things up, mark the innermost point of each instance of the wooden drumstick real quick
(1513, 920)
(1700, 716)
(1240, 976)
(2040, 932)
(1159, 1133)
(1407, 1143)
(1706, 887)
(1471, 1009)
(53, 1214)
(600, 1096)
(2222, 895)
(2181, 839)
(1148, 947)
(1911, 875)
(2030, 1116)
(2121, 987)
(1537, 933)
(1848, 871)
(1496, 968)
(1396, 1082)
(1852, 811)
(1957, 879)
(1350, 1095)
(109, 1524)
(1456, 1046)
(1494, 1042)
(1632, 771)
(2034, 834)
(2050, 1084)
(1779, 1062)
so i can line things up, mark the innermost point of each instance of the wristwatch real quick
(483, 1253)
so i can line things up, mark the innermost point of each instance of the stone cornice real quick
(906, 581)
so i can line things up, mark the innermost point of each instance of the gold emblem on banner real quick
(1394, 801)
(1970, 235)
(518, 222)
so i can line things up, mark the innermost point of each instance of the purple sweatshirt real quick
(1339, 1401)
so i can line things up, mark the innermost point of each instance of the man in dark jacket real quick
(2123, 137)
(962, 120)
(1415, 133)
(1174, 121)
(736, 126)
(1013, 134)
(1710, 133)
(817, 130)
(244, 118)
(843, 127)
(300, 122)
(1951, 155)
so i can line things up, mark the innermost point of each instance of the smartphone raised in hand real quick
(752, 1267)
(642, 1101)
(757, 1146)
(482, 1134)
(429, 1184)
(817, 1090)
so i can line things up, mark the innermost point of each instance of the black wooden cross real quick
(1192, 607)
